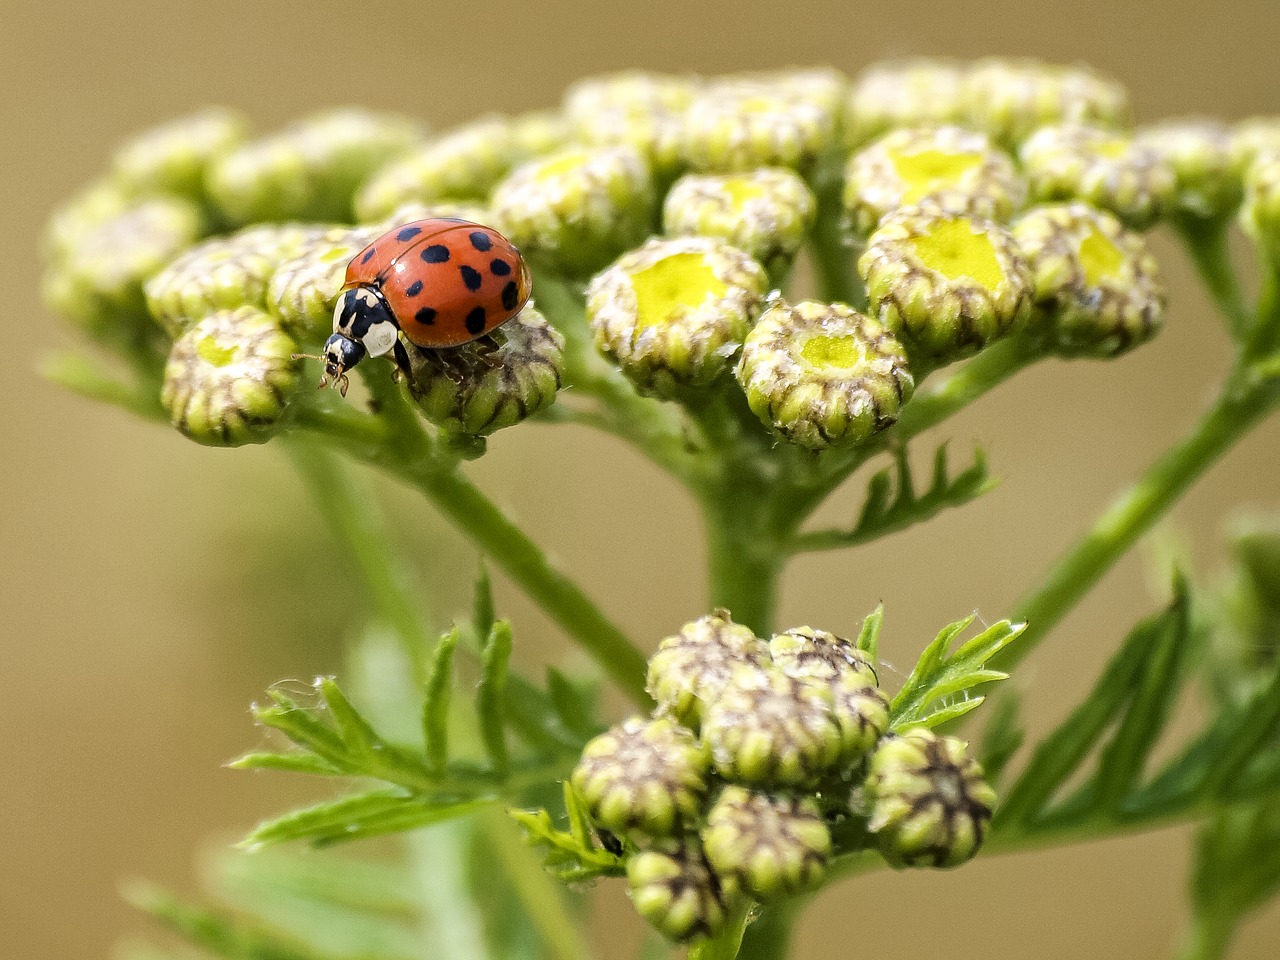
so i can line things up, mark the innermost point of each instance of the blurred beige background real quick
(144, 602)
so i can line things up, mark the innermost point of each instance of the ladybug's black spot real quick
(500, 268)
(471, 277)
(476, 321)
(408, 233)
(481, 241)
(413, 289)
(510, 296)
(368, 254)
(436, 253)
(425, 316)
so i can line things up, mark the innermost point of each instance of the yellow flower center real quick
(673, 286)
(826, 353)
(926, 171)
(558, 166)
(1100, 258)
(955, 249)
(1113, 148)
(741, 189)
(214, 353)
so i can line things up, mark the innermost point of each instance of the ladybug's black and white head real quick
(341, 353)
(361, 314)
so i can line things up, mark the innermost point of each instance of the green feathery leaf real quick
(490, 694)
(435, 704)
(869, 636)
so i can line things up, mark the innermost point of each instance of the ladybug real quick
(443, 282)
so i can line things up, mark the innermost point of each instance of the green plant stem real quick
(1207, 246)
(833, 254)
(1208, 938)
(725, 944)
(768, 937)
(1247, 400)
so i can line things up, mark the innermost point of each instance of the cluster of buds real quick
(756, 751)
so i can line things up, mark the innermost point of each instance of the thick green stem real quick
(1133, 513)
(1208, 939)
(1206, 242)
(725, 944)
(768, 937)
(743, 563)
(834, 255)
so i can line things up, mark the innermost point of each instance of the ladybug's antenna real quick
(339, 379)
(305, 356)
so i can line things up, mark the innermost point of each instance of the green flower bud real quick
(770, 846)
(743, 124)
(88, 209)
(823, 375)
(229, 378)
(955, 170)
(859, 706)
(173, 158)
(929, 805)
(222, 273)
(99, 282)
(1010, 99)
(477, 390)
(1108, 170)
(1254, 138)
(641, 110)
(674, 312)
(540, 132)
(416, 210)
(304, 289)
(765, 727)
(765, 213)
(1097, 282)
(692, 667)
(674, 888)
(308, 171)
(908, 93)
(645, 776)
(1207, 179)
(947, 284)
(464, 164)
(1260, 215)
(576, 210)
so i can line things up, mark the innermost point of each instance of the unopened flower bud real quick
(765, 213)
(674, 312)
(1097, 282)
(576, 210)
(641, 110)
(463, 164)
(310, 170)
(229, 378)
(173, 158)
(946, 284)
(1106, 169)
(87, 209)
(477, 389)
(955, 170)
(907, 93)
(646, 776)
(1207, 179)
(222, 273)
(692, 667)
(1010, 99)
(304, 288)
(676, 891)
(765, 727)
(1254, 138)
(859, 706)
(1260, 215)
(540, 132)
(822, 375)
(929, 804)
(769, 846)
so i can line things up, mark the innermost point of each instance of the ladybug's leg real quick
(485, 349)
(447, 362)
(403, 369)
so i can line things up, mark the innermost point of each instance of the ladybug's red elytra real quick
(442, 282)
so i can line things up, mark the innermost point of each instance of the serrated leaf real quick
(303, 727)
(937, 691)
(360, 815)
(356, 733)
(1247, 732)
(435, 705)
(482, 608)
(296, 762)
(573, 705)
(1002, 738)
(567, 857)
(869, 636)
(490, 693)
(876, 504)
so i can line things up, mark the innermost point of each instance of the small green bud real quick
(823, 375)
(222, 273)
(310, 170)
(640, 110)
(477, 389)
(767, 728)
(304, 288)
(89, 208)
(859, 706)
(674, 312)
(676, 891)
(929, 804)
(1207, 179)
(416, 210)
(947, 284)
(770, 846)
(956, 170)
(765, 213)
(463, 164)
(645, 776)
(741, 124)
(692, 667)
(1260, 215)
(540, 132)
(1097, 282)
(908, 93)
(100, 279)
(173, 158)
(1010, 99)
(229, 378)
(576, 210)
(1254, 138)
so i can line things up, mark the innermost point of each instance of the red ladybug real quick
(443, 282)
